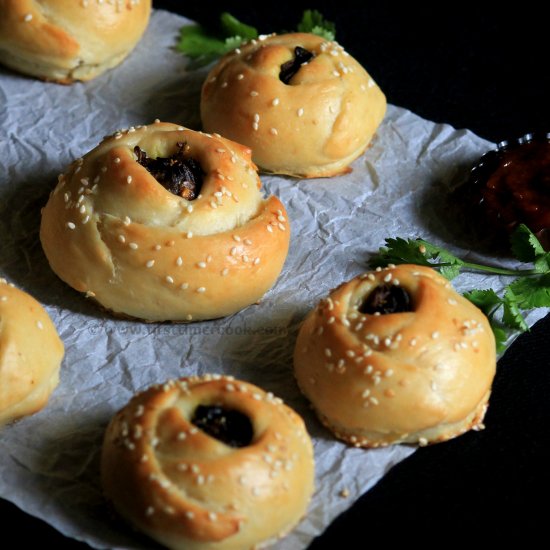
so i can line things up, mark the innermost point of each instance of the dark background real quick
(479, 68)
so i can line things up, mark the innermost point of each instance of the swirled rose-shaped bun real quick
(68, 40)
(206, 463)
(303, 104)
(144, 250)
(30, 354)
(396, 356)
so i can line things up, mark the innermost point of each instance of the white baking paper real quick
(49, 463)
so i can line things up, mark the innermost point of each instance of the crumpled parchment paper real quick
(49, 463)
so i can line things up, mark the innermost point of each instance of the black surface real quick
(485, 70)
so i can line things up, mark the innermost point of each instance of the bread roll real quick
(303, 104)
(206, 463)
(68, 40)
(30, 354)
(178, 251)
(396, 356)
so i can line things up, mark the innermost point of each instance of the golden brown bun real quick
(187, 489)
(30, 354)
(417, 376)
(142, 251)
(68, 40)
(313, 127)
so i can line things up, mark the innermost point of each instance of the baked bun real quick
(142, 249)
(68, 40)
(208, 463)
(30, 354)
(304, 105)
(396, 356)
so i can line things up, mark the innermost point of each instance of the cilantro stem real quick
(490, 269)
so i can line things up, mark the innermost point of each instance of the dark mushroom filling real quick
(226, 425)
(290, 68)
(182, 176)
(386, 299)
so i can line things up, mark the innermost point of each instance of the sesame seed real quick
(273, 131)
(255, 126)
(189, 234)
(300, 111)
(256, 261)
(169, 279)
(150, 263)
(149, 511)
(224, 85)
(202, 265)
(127, 220)
(240, 76)
(435, 335)
(40, 325)
(201, 290)
(184, 286)
(451, 302)
(270, 229)
(133, 246)
(189, 514)
(254, 93)
(388, 373)
(387, 278)
(371, 277)
(233, 251)
(213, 204)
(179, 261)
(71, 225)
(256, 117)
(422, 442)
(116, 160)
(82, 209)
(275, 102)
(28, 17)
(220, 150)
(412, 342)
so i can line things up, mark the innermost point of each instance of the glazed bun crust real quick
(111, 230)
(68, 40)
(189, 490)
(416, 376)
(315, 126)
(30, 354)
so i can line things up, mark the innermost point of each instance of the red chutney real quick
(518, 189)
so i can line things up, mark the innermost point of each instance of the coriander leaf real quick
(400, 251)
(486, 300)
(512, 316)
(525, 245)
(196, 43)
(443, 256)
(542, 263)
(323, 33)
(531, 292)
(233, 42)
(500, 338)
(313, 22)
(231, 26)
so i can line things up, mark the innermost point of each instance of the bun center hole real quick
(386, 299)
(290, 68)
(229, 426)
(180, 174)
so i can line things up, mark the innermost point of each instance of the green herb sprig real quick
(203, 46)
(529, 290)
